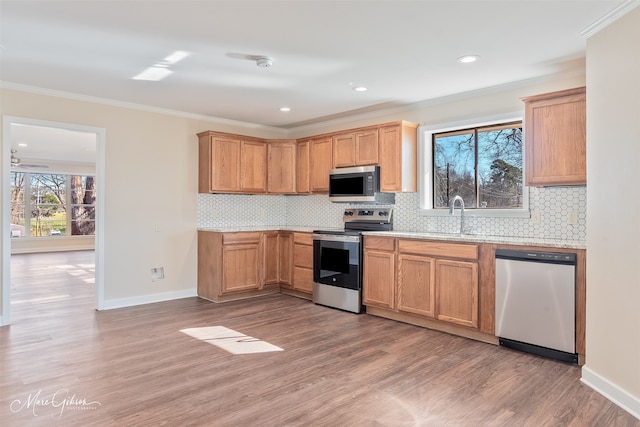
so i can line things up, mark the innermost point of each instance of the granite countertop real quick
(451, 237)
(478, 238)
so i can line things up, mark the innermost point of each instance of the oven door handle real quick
(335, 238)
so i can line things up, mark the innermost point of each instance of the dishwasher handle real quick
(566, 258)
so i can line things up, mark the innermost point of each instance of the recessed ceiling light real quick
(468, 59)
(285, 109)
(22, 144)
(360, 88)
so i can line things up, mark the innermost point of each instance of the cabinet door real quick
(457, 292)
(281, 166)
(379, 279)
(555, 138)
(389, 155)
(344, 150)
(320, 161)
(416, 284)
(303, 279)
(302, 167)
(241, 267)
(253, 167)
(225, 164)
(271, 256)
(366, 144)
(285, 246)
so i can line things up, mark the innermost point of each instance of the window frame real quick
(425, 167)
(27, 206)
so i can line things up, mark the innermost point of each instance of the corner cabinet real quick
(236, 265)
(281, 167)
(555, 138)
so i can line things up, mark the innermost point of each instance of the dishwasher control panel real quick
(553, 257)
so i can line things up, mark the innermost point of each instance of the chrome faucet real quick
(452, 206)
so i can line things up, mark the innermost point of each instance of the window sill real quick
(479, 213)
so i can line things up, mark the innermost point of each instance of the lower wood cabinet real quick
(236, 265)
(457, 292)
(416, 284)
(302, 264)
(430, 279)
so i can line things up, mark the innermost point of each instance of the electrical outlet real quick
(535, 217)
(158, 227)
(573, 218)
(157, 273)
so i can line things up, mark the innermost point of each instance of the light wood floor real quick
(133, 366)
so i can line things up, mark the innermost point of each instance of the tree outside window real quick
(482, 165)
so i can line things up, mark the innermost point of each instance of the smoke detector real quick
(264, 62)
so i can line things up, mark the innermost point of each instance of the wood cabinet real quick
(416, 284)
(432, 283)
(302, 167)
(452, 271)
(457, 292)
(397, 154)
(379, 272)
(281, 164)
(231, 163)
(236, 265)
(355, 148)
(555, 138)
(320, 163)
(303, 264)
(271, 257)
(285, 262)
(223, 151)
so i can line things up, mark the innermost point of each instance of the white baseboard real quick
(148, 299)
(611, 391)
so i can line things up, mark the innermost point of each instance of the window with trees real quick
(483, 165)
(44, 204)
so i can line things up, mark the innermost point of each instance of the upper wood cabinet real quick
(320, 163)
(231, 163)
(397, 157)
(253, 167)
(223, 151)
(302, 167)
(281, 164)
(555, 138)
(355, 148)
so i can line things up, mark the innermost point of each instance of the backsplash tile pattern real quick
(554, 205)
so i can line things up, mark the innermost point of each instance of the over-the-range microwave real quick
(358, 184)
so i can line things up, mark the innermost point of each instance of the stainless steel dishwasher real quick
(535, 302)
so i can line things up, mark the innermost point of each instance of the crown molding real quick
(139, 107)
(610, 17)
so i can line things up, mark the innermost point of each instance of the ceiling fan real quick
(16, 162)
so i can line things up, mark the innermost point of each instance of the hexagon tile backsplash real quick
(562, 214)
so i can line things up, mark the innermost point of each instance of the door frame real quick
(100, 133)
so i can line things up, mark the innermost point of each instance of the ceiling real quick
(402, 51)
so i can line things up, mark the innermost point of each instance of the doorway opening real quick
(53, 211)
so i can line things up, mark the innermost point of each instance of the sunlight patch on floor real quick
(230, 340)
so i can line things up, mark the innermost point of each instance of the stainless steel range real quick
(337, 258)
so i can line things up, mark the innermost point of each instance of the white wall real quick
(613, 202)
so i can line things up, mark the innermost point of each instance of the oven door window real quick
(336, 263)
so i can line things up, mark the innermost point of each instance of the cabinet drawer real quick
(232, 238)
(303, 256)
(439, 249)
(380, 243)
(302, 238)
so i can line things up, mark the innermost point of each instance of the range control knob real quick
(348, 213)
(383, 213)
